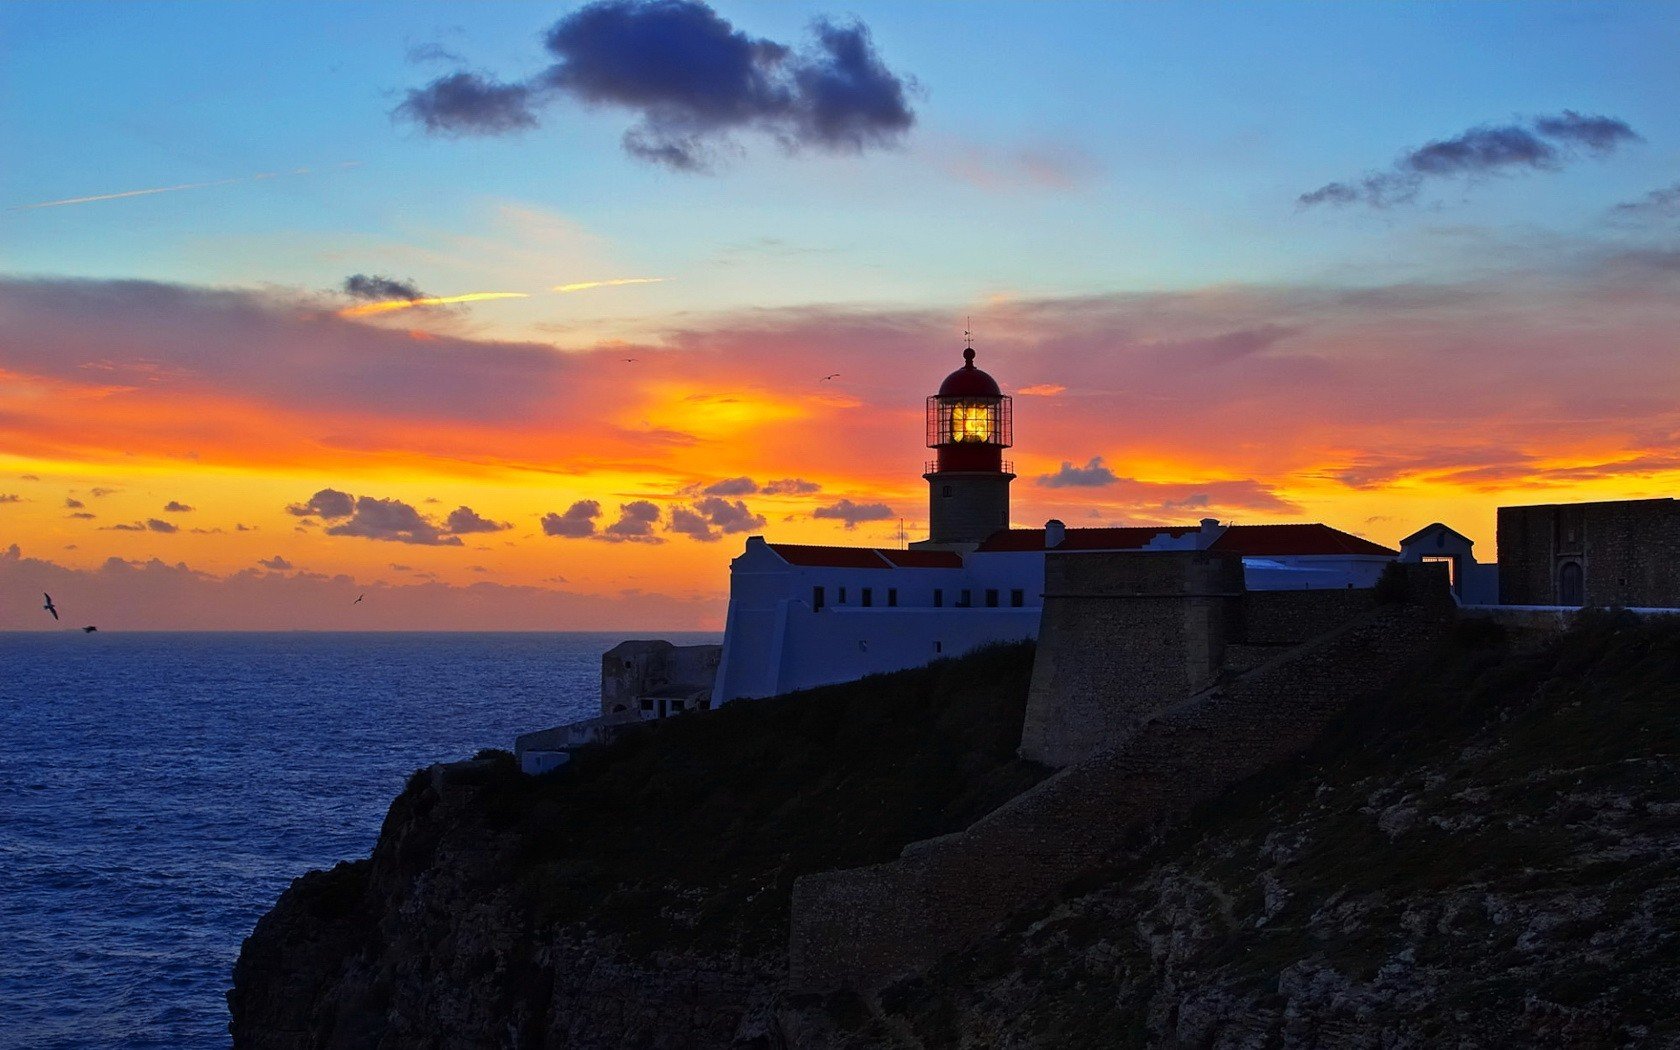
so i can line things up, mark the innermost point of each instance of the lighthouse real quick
(968, 427)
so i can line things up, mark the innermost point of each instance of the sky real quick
(518, 315)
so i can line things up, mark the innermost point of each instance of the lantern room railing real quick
(931, 466)
(970, 421)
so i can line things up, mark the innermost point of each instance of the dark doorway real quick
(1572, 590)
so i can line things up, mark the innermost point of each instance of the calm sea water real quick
(159, 791)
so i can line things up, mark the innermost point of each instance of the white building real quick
(801, 616)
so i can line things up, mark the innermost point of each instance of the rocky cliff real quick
(1488, 856)
(638, 897)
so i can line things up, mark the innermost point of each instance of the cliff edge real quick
(1487, 854)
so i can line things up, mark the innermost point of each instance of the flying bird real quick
(50, 607)
(358, 600)
(89, 629)
(629, 360)
(831, 375)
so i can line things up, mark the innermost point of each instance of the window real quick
(816, 598)
(842, 599)
(947, 492)
(966, 600)
(938, 598)
(1017, 598)
(991, 598)
(676, 705)
(938, 647)
(647, 703)
(868, 597)
(892, 597)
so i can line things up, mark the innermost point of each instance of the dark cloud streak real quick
(1543, 144)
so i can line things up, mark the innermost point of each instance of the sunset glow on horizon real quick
(207, 422)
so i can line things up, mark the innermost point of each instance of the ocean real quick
(159, 791)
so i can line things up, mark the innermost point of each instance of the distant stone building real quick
(644, 680)
(1618, 552)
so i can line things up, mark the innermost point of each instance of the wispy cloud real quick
(1542, 144)
(583, 286)
(150, 191)
(385, 306)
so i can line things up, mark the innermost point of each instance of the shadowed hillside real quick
(1491, 855)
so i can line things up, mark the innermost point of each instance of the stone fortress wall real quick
(1626, 553)
(1169, 750)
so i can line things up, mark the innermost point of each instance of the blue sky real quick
(1187, 132)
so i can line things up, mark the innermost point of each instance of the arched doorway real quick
(1571, 587)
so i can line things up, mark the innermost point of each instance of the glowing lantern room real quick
(968, 421)
(969, 425)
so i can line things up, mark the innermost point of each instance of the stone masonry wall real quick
(1292, 617)
(1123, 635)
(1628, 550)
(865, 926)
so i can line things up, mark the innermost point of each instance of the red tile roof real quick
(1273, 540)
(1256, 541)
(864, 557)
(923, 559)
(830, 557)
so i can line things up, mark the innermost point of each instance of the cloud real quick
(1542, 144)
(122, 527)
(1658, 204)
(712, 518)
(393, 521)
(156, 595)
(159, 525)
(692, 524)
(790, 487)
(1041, 390)
(469, 104)
(615, 282)
(577, 523)
(73, 503)
(373, 287)
(464, 520)
(85, 515)
(176, 507)
(327, 503)
(1091, 475)
(101, 493)
(276, 562)
(854, 514)
(10, 497)
(1039, 166)
(635, 523)
(732, 487)
(125, 194)
(691, 80)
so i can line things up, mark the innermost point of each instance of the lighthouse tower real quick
(968, 427)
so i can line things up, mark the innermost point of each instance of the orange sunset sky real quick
(591, 374)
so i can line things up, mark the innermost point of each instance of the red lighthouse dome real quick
(969, 381)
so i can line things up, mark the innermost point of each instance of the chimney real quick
(1054, 533)
(1210, 532)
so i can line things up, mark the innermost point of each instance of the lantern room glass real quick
(969, 421)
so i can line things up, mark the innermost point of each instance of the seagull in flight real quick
(50, 607)
(831, 375)
(89, 629)
(358, 600)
